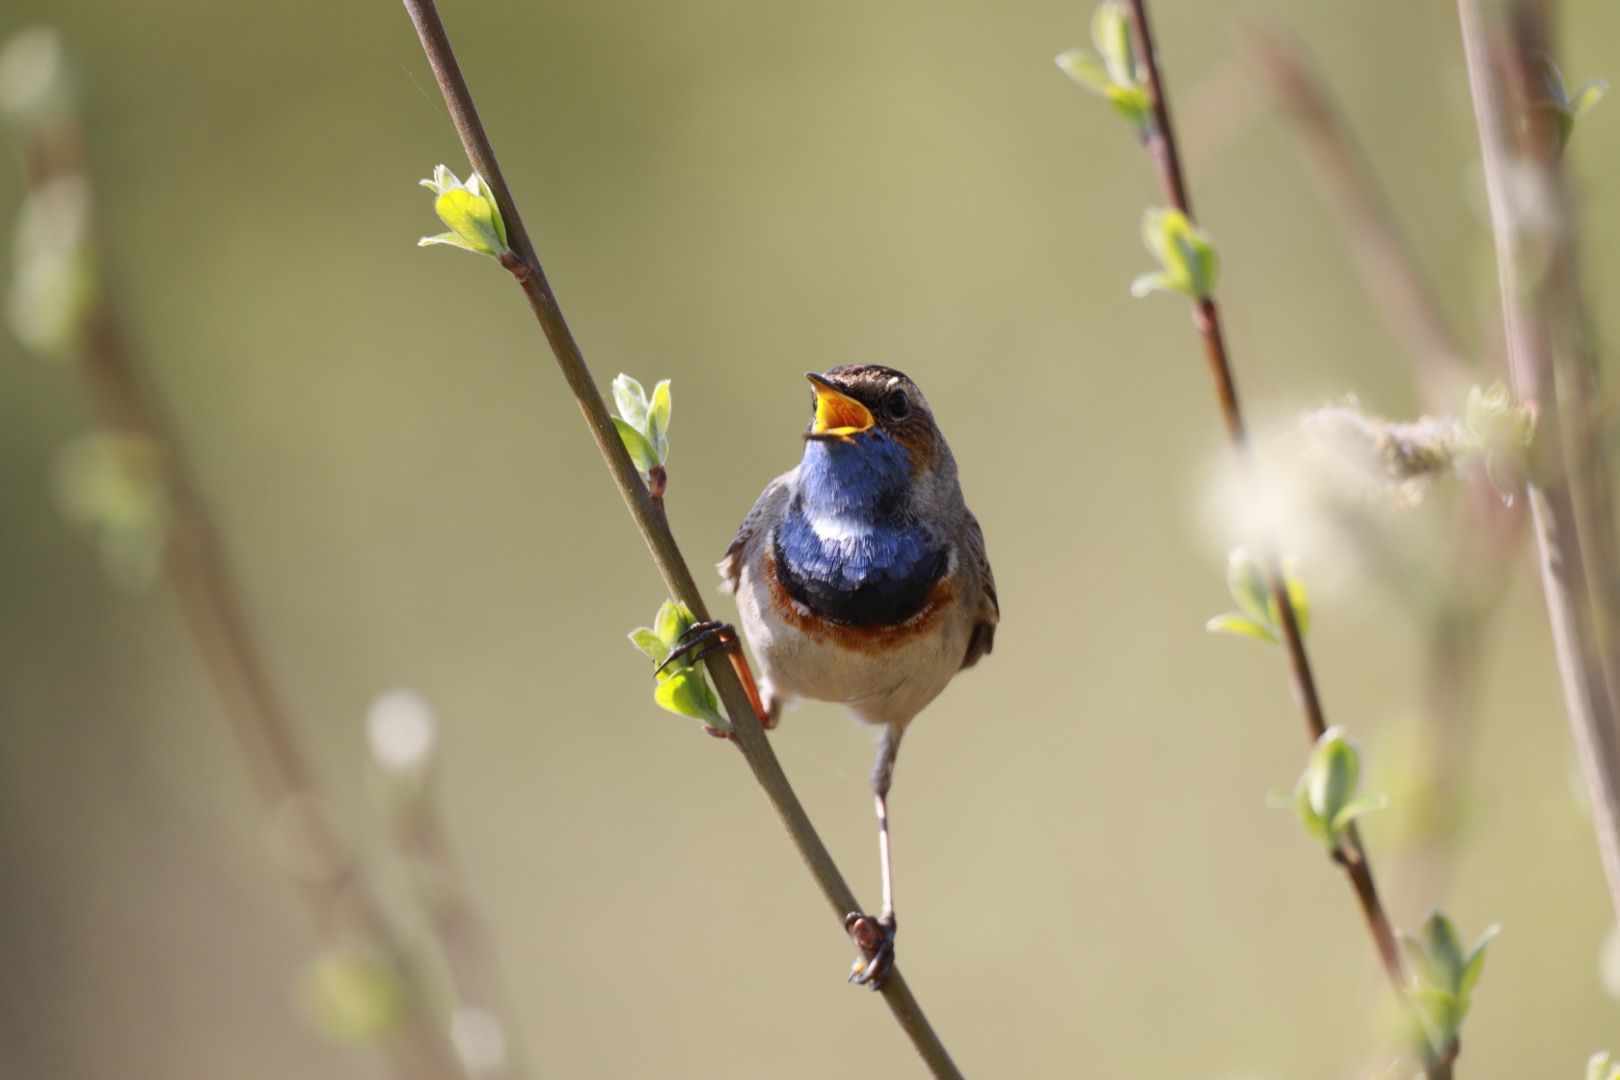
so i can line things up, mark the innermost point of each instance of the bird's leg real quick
(711, 637)
(875, 937)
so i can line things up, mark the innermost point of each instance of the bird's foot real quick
(705, 639)
(875, 940)
(713, 636)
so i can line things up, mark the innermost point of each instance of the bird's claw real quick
(707, 638)
(875, 940)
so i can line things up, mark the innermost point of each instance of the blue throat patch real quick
(849, 550)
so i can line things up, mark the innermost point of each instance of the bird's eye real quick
(898, 404)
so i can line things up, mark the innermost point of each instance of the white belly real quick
(884, 685)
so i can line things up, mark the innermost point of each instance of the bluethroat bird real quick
(861, 579)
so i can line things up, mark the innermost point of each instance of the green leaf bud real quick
(687, 693)
(1185, 253)
(1333, 773)
(631, 401)
(643, 424)
(641, 451)
(671, 622)
(1111, 34)
(111, 483)
(470, 211)
(354, 996)
(1564, 106)
(1086, 70)
(682, 688)
(1239, 626)
(650, 643)
(658, 420)
(1258, 615)
(1246, 582)
(1444, 973)
(56, 282)
(1591, 92)
(1325, 798)
(1116, 76)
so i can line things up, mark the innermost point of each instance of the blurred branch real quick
(747, 733)
(332, 881)
(480, 1022)
(1388, 269)
(403, 735)
(1554, 369)
(1160, 143)
(1484, 533)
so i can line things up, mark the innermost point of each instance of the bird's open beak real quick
(838, 416)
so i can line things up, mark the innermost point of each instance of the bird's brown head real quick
(856, 399)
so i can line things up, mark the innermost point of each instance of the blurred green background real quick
(728, 194)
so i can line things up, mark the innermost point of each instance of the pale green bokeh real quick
(728, 194)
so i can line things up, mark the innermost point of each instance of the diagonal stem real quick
(1160, 143)
(1382, 254)
(747, 733)
(1485, 534)
(341, 897)
(1553, 368)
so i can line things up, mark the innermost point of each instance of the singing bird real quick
(861, 579)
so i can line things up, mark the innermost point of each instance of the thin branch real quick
(1553, 369)
(463, 941)
(1161, 146)
(1485, 535)
(1389, 270)
(331, 880)
(747, 733)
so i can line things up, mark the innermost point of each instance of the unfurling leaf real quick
(642, 452)
(631, 401)
(1116, 76)
(1111, 33)
(658, 420)
(643, 423)
(1325, 798)
(1239, 626)
(1565, 107)
(1258, 615)
(1185, 253)
(1444, 973)
(1086, 70)
(650, 643)
(469, 209)
(687, 693)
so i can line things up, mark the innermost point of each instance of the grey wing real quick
(768, 510)
(983, 637)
